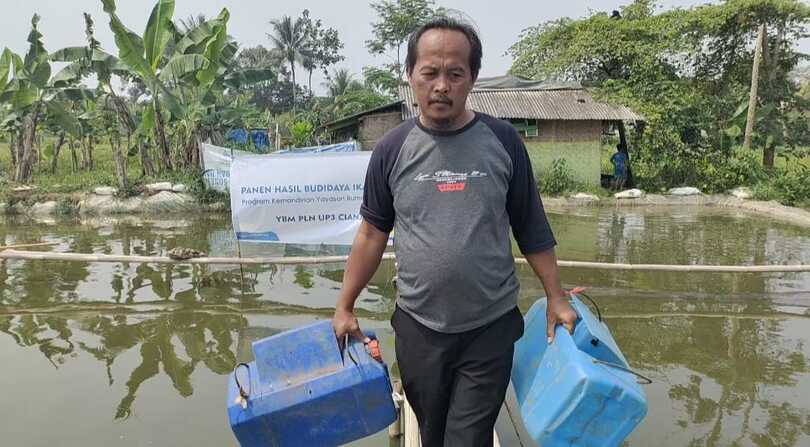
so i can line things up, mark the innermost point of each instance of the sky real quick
(499, 22)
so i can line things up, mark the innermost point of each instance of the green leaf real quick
(24, 97)
(213, 52)
(36, 51)
(148, 119)
(19, 65)
(70, 54)
(48, 151)
(182, 65)
(77, 94)
(68, 75)
(158, 31)
(41, 74)
(9, 121)
(109, 6)
(5, 68)
(103, 56)
(64, 119)
(194, 41)
(130, 46)
(733, 131)
(741, 109)
(244, 78)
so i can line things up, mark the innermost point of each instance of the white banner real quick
(217, 160)
(217, 166)
(298, 198)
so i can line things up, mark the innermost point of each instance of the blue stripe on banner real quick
(265, 236)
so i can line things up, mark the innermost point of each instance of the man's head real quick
(444, 58)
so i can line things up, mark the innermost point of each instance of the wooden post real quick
(752, 99)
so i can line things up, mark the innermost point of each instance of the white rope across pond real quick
(298, 260)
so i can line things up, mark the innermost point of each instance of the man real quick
(452, 182)
(619, 160)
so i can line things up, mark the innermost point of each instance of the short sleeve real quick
(378, 202)
(526, 214)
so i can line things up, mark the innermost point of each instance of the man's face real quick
(441, 78)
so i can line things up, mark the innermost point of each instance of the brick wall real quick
(373, 127)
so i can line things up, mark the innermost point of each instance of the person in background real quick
(619, 161)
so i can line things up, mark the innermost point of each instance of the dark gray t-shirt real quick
(451, 198)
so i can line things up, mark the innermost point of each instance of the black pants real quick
(456, 383)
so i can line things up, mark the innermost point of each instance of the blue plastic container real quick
(303, 392)
(567, 396)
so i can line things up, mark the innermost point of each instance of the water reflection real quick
(729, 352)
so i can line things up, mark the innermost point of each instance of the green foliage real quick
(323, 44)
(301, 133)
(558, 179)
(348, 96)
(382, 81)
(397, 19)
(687, 71)
(788, 186)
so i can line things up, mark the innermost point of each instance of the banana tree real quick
(33, 97)
(91, 59)
(186, 73)
(202, 92)
(144, 57)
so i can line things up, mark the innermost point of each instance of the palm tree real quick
(291, 39)
(341, 82)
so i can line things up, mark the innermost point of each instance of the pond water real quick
(138, 354)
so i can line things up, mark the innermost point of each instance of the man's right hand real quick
(344, 322)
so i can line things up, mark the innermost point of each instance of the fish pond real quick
(127, 354)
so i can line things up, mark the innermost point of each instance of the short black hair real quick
(449, 23)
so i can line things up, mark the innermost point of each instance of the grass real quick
(608, 150)
(64, 180)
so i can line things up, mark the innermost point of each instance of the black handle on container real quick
(644, 380)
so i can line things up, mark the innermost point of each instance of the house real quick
(366, 127)
(555, 120)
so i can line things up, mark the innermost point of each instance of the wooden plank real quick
(411, 425)
(411, 428)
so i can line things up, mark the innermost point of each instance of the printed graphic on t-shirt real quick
(449, 181)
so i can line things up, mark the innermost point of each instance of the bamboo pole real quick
(308, 260)
(38, 244)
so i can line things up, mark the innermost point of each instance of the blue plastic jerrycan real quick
(576, 391)
(302, 391)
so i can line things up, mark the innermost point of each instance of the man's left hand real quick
(559, 311)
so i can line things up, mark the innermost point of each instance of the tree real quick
(34, 98)
(381, 81)
(290, 38)
(144, 57)
(341, 82)
(397, 19)
(273, 93)
(93, 60)
(348, 96)
(323, 47)
(188, 73)
(686, 70)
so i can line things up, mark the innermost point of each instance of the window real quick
(526, 128)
